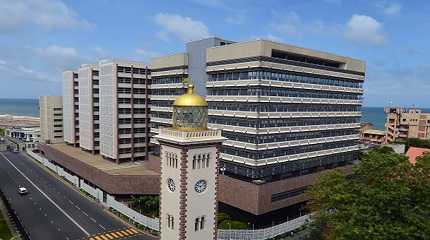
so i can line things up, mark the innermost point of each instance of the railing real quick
(265, 233)
(190, 135)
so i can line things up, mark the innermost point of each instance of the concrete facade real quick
(124, 110)
(71, 107)
(403, 123)
(287, 112)
(51, 119)
(89, 108)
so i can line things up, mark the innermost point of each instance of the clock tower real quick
(189, 172)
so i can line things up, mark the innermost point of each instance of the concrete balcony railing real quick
(272, 130)
(274, 160)
(231, 113)
(281, 84)
(279, 99)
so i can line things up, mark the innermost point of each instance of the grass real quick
(4, 229)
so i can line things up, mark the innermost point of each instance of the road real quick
(52, 210)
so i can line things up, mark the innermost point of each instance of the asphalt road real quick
(52, 210)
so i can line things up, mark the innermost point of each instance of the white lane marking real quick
(76, 206)
(102, 227)
(86, 214)
(92, 219)
(46, 196)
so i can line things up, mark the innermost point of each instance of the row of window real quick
(167, 91)
(129, 140)
(161, 103)
(134, 70)
(128, 100)
(172, 160)
(201, 161)
(283, 76)
(281, 137)
(128, 110)
(282, 107)
(128, 150)
(269, 153)
(135, 80)
(128, 120)
(167, 79)
(129, 130)
(129, 90)
(280, 122)
(280, 92)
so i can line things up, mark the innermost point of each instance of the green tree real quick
(385, 198)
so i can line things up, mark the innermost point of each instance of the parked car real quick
(22, 190)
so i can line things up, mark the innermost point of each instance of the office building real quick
(89, 125)
(51, 119)
(168, 74)
(71, 108)
(124, 111)
(403, 123)
(287, 113)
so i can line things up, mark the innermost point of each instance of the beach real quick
(18, 121)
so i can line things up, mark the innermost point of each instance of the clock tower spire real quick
(189, 172)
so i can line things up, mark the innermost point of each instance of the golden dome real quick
(189, 99)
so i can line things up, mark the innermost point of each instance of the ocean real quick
(20, 107)
(30, 107)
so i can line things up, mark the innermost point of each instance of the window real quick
(170, 221)
(199, 223)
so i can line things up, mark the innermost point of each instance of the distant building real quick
(51, 119)
(372, 136)
(71, 107)
(414, 152)
(23, 137)
(403, 123)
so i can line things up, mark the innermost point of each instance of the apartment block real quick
(51, 119)
(71, 107)
(403, 123)
(89, 108)
(287, 112)
(124, 110)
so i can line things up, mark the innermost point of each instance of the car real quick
(22, 190)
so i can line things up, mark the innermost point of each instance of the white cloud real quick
(392, 8)
(288, 24)
(238, 17)
(146, 54)
(47, 14)
(185, 28)
(362, 28)
(57, 51)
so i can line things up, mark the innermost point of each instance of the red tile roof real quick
(414, 152)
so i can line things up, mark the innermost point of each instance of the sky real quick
(39, 39)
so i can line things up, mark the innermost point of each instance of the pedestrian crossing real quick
(116, 234)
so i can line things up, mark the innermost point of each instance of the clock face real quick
(171, 184)
(200, 186)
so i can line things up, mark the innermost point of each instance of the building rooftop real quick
(414, 152)
(97, 161)
(374, 132)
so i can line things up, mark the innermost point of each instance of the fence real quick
(265, 233)
(154, 223)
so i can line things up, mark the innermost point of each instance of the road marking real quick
(76, 206)
(102, 227)
(92, 219)
(86, 214)
(46, 196)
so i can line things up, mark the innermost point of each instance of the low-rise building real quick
(372, 136)
(22, 138)
(414, 152)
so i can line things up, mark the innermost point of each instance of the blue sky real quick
(41, 38)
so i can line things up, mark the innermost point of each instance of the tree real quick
(385, 198)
